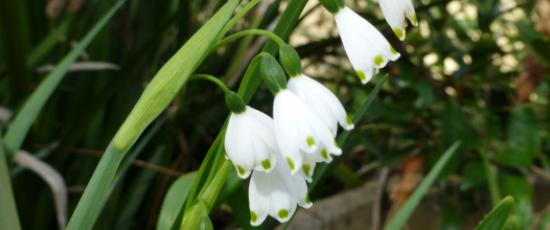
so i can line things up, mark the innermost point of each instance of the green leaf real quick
(523, 138)
(197, 218)
(522, 192)
(405, 212)
(173, 201)
(473, 175)
(8, 211)
(497, 217)
(33, 105)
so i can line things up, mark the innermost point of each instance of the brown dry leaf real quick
(543, 10)
(409, 177)
(532, 75)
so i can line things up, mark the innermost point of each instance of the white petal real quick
(365, 46)
(322, 102)
(395, 12)
(258, 198)
(237, 144)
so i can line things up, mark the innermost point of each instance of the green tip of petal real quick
(266, 164)
(324, 154)
(361, 75)
(310, 141)
(399, 33)
(240, 170)
(378, 60)
(348, 120)
(307, 169)
(253, 216)
(291, 164)
(414, 20)
(308, 201)
(393, 51)
(283, 213)
(336, 144)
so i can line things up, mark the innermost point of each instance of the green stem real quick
(491, 179)
(212, 79)
(248, 32)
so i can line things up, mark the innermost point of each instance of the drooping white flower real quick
(250, 141)
(367, 49)
(395, 12)
(299, 130)
(276, 194)
(321, 101)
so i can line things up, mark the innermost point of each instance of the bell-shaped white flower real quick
(395, 12)
(367, 49)
(276, 194)
(321, 101)
(299, 130)
(250, 142)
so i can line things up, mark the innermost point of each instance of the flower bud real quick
(290, 60)
(273, 74)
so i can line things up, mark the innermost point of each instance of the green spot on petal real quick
(283, 213)
(361, 75)
(307, 168)
(308, 201)
(240, 170)
(324, 154)
(378, 60)
(393, 51)
(310, 141)
(266, 164)
(414, 20)
(399, 33)
(348, 120)
(253, 216)
(290, 164)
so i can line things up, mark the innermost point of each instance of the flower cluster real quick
(279, 154)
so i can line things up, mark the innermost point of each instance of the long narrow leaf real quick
(405, 212)
(498, 215)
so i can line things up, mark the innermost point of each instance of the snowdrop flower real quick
(367, 49)
(250, 141)
(395, 12)
(276, 194)
(321, 101)
(299, 131)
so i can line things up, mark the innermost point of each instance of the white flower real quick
(299, 131)
(367, 49)
(276, 194)
(321, 101)
(250, 141)
(395, 12)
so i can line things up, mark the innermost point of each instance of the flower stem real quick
(210, 195)
(491, 179)
(212, 79)
(248, 32)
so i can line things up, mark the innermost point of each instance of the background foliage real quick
(473, 71)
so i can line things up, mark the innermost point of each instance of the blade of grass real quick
(498, 215)
(8, 211)
(401, 217)
(33, 105)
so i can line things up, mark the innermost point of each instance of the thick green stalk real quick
(155, 98)
(8, 212)
(33, 105)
